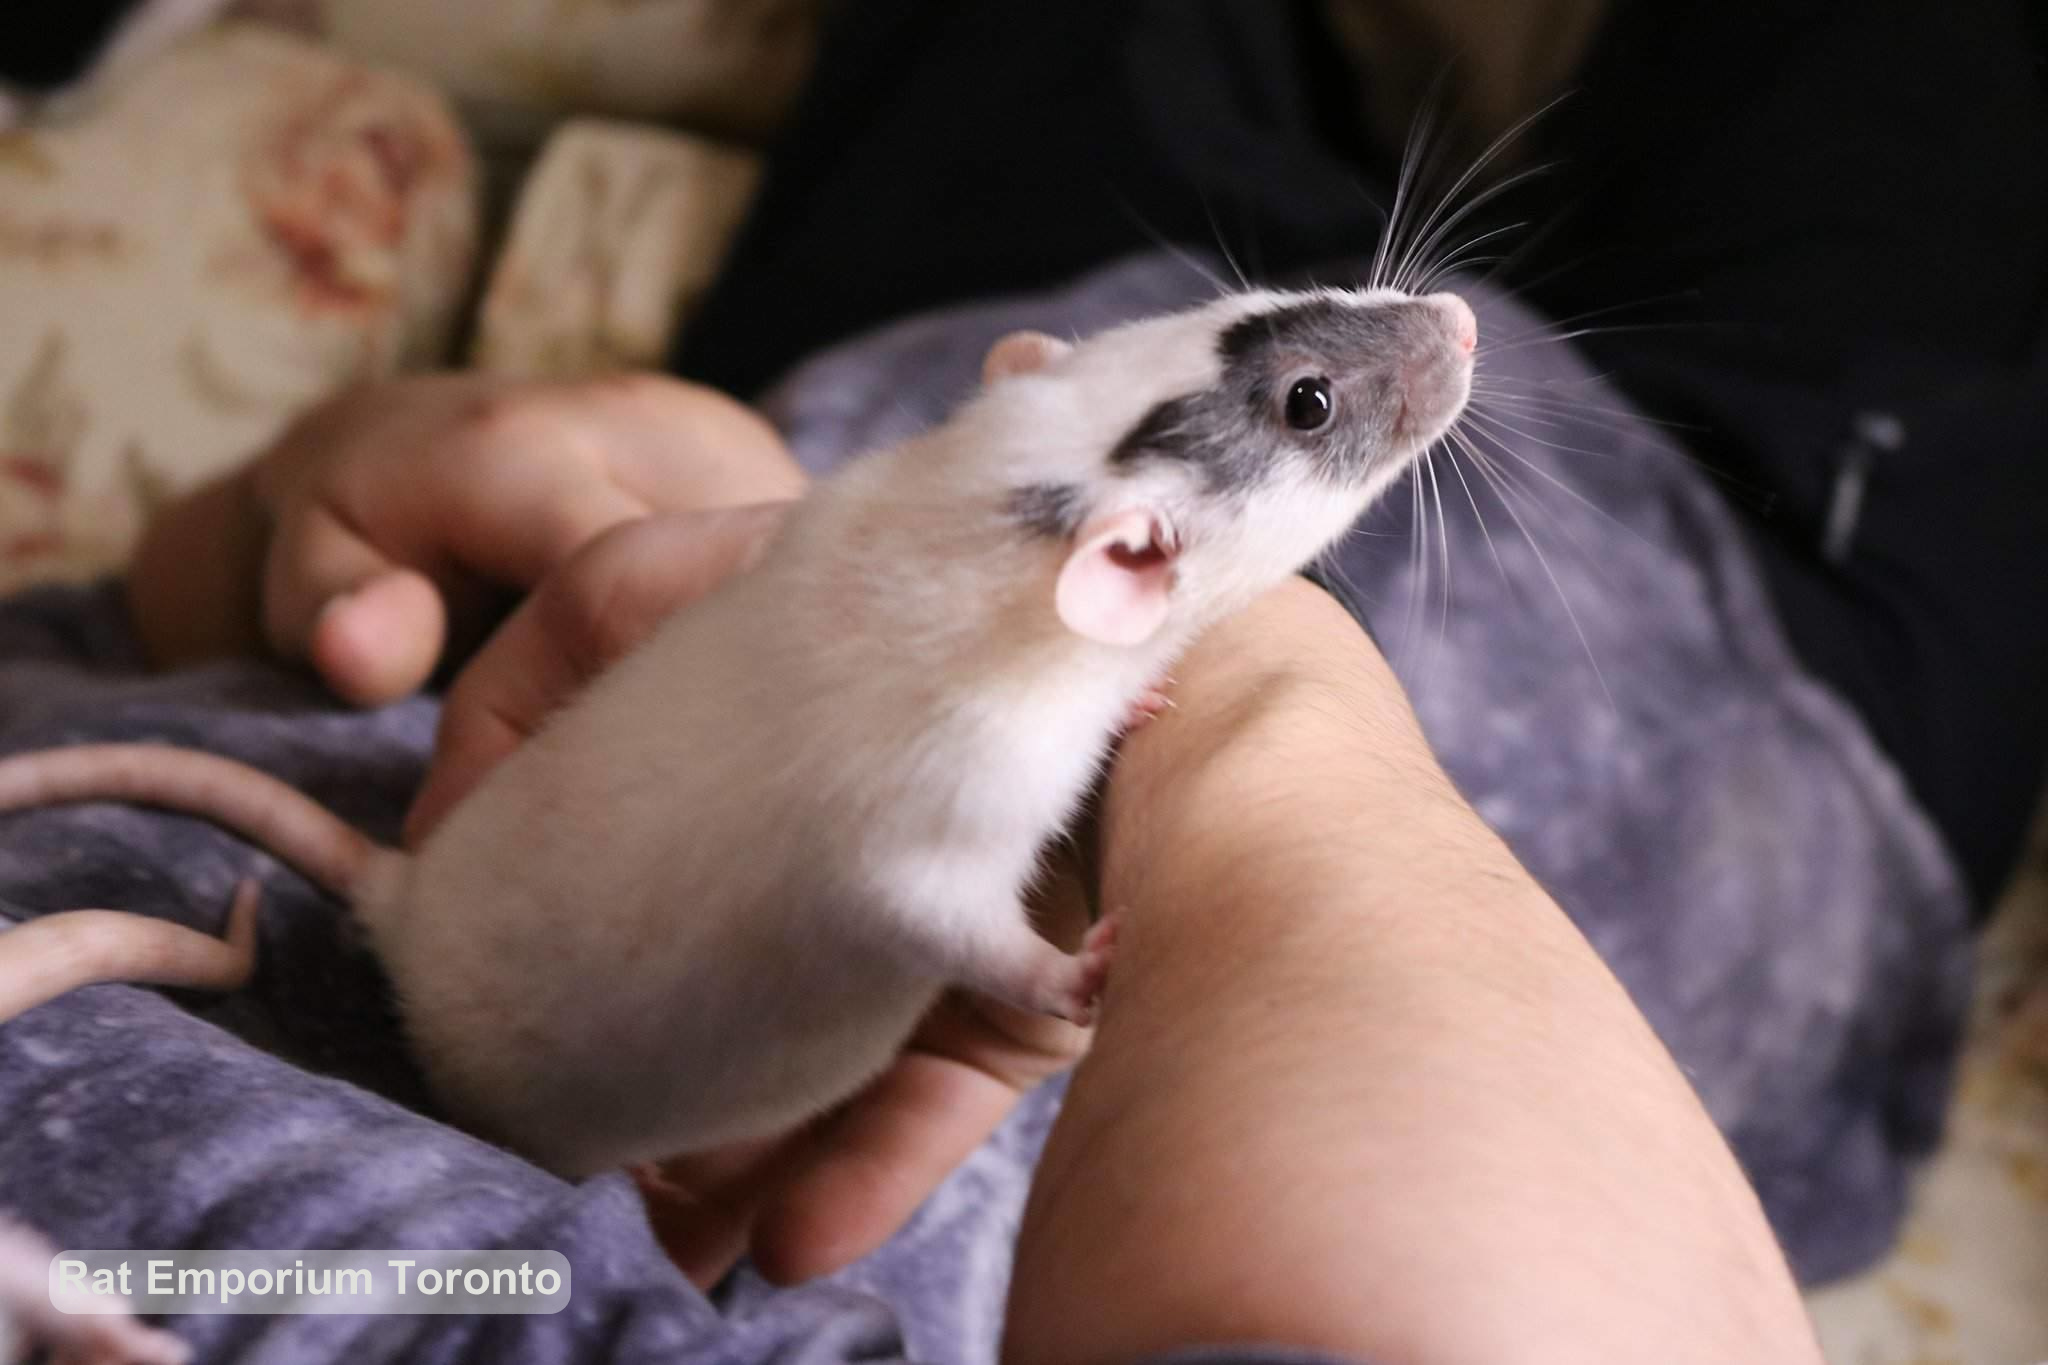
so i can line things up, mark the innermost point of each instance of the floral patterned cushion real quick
(728, 67)
(243, 225)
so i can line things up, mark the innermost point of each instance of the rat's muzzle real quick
(1435, 375)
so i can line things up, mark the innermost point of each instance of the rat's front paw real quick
(1087, 972)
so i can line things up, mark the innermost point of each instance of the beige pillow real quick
(243, 225)
(620, 227)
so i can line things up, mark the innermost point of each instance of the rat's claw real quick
(1146, 705)
(1091, 973)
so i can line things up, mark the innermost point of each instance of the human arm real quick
(1359, 1084)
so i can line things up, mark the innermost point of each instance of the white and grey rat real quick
(714, 894)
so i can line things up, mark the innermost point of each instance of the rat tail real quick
(276, 817)
(56, 954)
(47, 957)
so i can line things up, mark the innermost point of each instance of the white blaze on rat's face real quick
(1192, 461)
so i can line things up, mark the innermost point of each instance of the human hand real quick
(817, 1200)
(390, 520)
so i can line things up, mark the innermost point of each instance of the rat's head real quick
(1186, 463)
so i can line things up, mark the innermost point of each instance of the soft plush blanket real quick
(1599, 669)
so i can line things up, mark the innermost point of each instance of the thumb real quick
(372, 628)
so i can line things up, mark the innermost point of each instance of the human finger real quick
(861, 1174)
(601, 603)
(701, 1208)
(371, 626)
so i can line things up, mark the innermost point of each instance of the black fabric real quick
(1814, 218)
(1819, 215)
(945, 151)
(1347, 596)
(49, 43)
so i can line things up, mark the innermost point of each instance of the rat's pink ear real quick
(1021, 353)
(1115, 585)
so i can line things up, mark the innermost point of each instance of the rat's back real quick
(651, 929)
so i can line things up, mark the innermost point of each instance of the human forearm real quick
(1360, 1084)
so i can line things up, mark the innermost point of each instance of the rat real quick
(714, 894)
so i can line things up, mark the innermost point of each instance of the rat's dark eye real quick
(1309, 404)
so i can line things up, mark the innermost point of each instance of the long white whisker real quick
(1416, 560)
(1486, 400)
(1485, 159)
(1537, 383)
(1533, 501)
(1460, 257)
(1530, 282)
(1496, 422)
(1411, 155)
(1562, 418)
(1179, 252)
(1209, 212)
(1490, 392)
(1443, 620)
(1484, 466)
(1546, 326)
(1456, 438)
(1615, 329)
(1332, 561)
(1175, 249)
(1540, 472)
(1572, 407)
(1428, 244)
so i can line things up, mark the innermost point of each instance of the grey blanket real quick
(1721, 827)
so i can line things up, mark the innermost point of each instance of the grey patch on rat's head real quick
(1194, 429)
(1236, 432)
(1319, 327)
(1052, 510)
(1355, 348)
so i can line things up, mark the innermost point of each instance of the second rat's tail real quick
(56, 954)
(277, 817)
(52, 955)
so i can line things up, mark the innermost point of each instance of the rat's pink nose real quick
(1458, 314)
